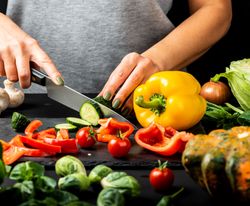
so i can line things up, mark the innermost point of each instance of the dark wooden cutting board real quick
(50, 113)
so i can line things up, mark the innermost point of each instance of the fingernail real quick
(107, 96)
(59, 81)
(125, 111)
(116, 103)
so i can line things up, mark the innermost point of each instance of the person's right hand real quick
(17, 50)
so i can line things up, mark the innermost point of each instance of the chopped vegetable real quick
(110, 128)
(158, 139)
(19, 122)
(91, 112)
(169, 98)
(68, 126)
(77, 122)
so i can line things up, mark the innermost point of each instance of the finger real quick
(137, 76)
(2, 71)
(10, 66)
(128, 106)
(39, 57)
(23, 68)
(119, 75)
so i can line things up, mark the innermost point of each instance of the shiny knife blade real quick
(70, 97)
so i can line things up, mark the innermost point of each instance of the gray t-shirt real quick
(86, 39)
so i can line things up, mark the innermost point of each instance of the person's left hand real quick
(133, 70)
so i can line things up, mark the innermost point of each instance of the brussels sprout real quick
(110, 197)
(126, 184)
(76, 182)
(68, 165)
(99, 172)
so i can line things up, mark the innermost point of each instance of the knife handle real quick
(38, 77)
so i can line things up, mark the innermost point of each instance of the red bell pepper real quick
(62, 134)
(5, 145)
(39, 144)
(32, 127)
(67, 145)
(110, 128)
(12, 154)
(158, 139)
(31, 152)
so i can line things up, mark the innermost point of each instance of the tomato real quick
(86, 137)
(119, 147)
(161, 178)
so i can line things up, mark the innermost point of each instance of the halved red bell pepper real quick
(157, 139)
(111, 127)
(38, 144)
(67, 145)
(12, 154)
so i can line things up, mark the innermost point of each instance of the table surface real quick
(41, 107)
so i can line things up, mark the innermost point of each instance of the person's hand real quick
(133, 70)
(17, 50)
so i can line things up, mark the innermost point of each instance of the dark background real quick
(234, 46)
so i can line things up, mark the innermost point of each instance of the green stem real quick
(153, 104)
(177, 193)
(234, 108)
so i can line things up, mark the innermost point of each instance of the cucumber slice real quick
(68, 126)
(77, 122)
(19, 122)
(91, 112)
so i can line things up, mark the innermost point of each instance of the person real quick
(103, 46)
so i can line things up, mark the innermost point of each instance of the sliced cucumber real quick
(91, 112)
(19, 122)
(68, 126)
(77, 122)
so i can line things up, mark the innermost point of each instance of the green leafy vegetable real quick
(126, 184)
(68, 165)
(110, 197)
(2, 165)
(225, 116)
(26, 171)
(98, 173)
(238, 76)
(26, 188)
(75, 182)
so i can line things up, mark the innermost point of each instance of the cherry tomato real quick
(86, 137)
(161, 178)
(119, 147)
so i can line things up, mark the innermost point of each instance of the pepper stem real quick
(156, 103)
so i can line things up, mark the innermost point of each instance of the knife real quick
(70, 97)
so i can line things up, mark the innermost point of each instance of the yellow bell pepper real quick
(169, 98)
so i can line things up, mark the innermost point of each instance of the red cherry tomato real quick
(161, 178)
(119, 147)
(86, 137)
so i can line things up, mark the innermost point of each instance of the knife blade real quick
(70, 97)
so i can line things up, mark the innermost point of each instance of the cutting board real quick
(51, 113)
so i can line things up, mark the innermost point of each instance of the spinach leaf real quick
(26, 188)
(26, 171)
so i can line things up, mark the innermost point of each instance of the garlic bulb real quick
(16, 95)
(4, 100)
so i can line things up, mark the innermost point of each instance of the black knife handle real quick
(38, 77)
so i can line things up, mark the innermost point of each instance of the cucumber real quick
(68, 126)
(91, 112)
(19, 122)
(77, 122)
